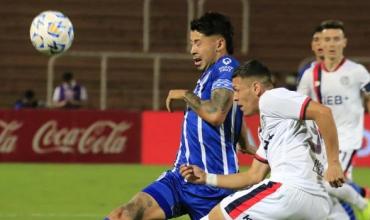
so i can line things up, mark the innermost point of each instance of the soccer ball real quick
(51, 32)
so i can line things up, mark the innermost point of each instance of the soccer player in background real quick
(317, 51)
(339, 83)
(294, 155)
(210, 131)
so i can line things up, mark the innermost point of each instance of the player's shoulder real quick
(279, 94)
(276, 92)
(272, 95)
(226, 64)
(352, 65)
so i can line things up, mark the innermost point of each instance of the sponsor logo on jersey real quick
(225, 68)
(226, 61)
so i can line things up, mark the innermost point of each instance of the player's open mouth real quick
(197, 61)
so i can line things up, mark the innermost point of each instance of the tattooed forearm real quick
(192, 100)
(221, 101)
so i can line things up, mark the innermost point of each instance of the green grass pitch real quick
(78, 192)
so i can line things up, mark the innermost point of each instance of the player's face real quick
(245, 94)
(333, 43)
(316, 45)
(203, 49)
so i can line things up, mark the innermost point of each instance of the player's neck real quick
(331, 65)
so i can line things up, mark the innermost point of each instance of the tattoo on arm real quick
(220, 101)
(192, 100)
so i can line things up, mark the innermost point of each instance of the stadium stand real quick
(279, 32)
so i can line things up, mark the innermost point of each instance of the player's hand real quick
(334, 175)
(175, 94)
(193, 174)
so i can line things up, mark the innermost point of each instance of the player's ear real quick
(221, 44)
(256, 86)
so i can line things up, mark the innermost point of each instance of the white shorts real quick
(270, 200)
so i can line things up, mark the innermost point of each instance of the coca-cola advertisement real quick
(70, 136)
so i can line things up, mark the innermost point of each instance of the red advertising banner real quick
(70, 136)
(161, 136)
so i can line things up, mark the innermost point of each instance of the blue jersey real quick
(209, 147)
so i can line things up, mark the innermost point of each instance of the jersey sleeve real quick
(223, 74)
(364, 78)
(282, 103)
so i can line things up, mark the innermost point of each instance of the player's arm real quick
(243, 142)
(214, 111)
(324, 119)
(255, 174)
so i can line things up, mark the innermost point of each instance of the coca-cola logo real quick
(8, 141)
(101, 137)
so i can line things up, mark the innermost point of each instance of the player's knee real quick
(215, 213)
(133, 210)
(129, 211)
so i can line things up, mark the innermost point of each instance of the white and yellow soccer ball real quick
(51, 32)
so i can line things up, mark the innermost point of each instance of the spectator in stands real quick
(69, 94)
(28, 100)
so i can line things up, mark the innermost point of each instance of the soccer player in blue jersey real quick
(210, 130)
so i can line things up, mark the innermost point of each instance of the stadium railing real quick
(104, 56)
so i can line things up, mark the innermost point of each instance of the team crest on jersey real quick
(344, 80)
(226, 61)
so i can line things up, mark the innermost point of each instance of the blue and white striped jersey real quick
(212, 148)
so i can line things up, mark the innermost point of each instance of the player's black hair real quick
(212, 23)
(317, 29)
(332, 24)
(67, 76)
(254, 68)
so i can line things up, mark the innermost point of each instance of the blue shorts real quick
(177, 197)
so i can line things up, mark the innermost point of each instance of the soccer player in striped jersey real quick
(340, 83)
(210, 130)
(294, 155)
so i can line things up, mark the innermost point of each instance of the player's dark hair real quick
(254, 68)
(67, 76)
(212, 23)
(317, 29)
(332, 24)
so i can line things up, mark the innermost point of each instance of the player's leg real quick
(347, 194)
(159, 200)
(270, 200)
(141, 206)
(337, 211)
(214, 214)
